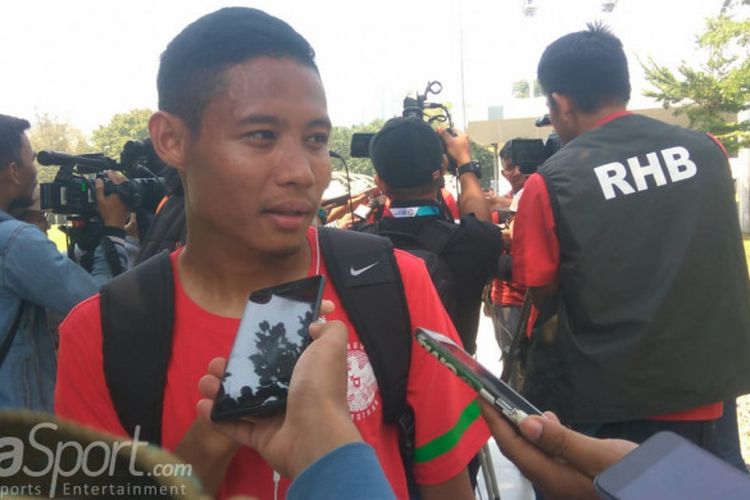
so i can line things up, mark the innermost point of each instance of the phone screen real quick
(669, 467)
(273, 333)
(514, 406)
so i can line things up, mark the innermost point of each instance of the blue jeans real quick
(505, 320)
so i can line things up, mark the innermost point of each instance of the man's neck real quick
(588, 121)
(219, 275)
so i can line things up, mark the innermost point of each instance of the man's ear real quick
(563, 103)
(11, 173)
(170, 137)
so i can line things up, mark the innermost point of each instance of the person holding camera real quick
(408, 157)
(36, 276)
(612, 238)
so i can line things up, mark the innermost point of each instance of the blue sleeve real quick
(36, 271)
(100, 270)
(350, 471)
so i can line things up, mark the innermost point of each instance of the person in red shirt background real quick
(507, 297)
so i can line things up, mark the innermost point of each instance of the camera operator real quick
(613, 234)
(36, 276)
(408, 158)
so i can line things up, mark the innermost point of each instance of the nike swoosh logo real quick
(357, 272)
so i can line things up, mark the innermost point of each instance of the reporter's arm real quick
(346, 469)
(471, 200)
(560, 462)
(38, 273)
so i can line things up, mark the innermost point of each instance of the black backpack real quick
(427, 243)
(137, 310)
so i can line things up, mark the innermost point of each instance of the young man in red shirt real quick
(612, 236)
(242, 117)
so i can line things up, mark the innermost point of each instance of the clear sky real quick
(85, 60)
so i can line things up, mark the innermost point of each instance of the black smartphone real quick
(511, 404)
(669, 467)
(273, 333)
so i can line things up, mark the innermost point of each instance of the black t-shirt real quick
(472, 255)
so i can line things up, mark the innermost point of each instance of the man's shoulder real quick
(14, 231)
(85, 314)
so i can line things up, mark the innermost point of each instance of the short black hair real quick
(11, 130)
(505, 152)
(588, 66)
(193, 63)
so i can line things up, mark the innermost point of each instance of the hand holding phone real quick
(273, 333)
(511, 404)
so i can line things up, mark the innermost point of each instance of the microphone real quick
(56, 158)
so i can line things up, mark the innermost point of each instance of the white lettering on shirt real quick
(679, 164)
(613, 175)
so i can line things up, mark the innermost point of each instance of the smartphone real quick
(273, 333)
(669, 467)
(511, 404)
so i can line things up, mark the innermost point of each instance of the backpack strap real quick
(137, 313)
(376, 305)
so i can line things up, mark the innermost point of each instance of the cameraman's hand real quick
(458, 147)
(113, 211)
(560, 462)
(317, 418)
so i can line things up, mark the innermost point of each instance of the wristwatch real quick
(472, 166)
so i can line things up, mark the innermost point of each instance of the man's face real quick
(256, 171)
(26, 175)
(513, 175)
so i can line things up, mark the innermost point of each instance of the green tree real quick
(48, 133)
(712, 94)
(521, 89)
(340, 141)
(123, 127)
(485, 157)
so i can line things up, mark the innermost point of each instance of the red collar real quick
(610, 117)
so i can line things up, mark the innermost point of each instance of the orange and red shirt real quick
(449, 428)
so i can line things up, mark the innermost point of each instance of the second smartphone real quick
(511, 404)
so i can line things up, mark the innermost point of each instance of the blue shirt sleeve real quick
(350, 471)
(37, 272)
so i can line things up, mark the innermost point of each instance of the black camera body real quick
(413, 107)
(73, 192)
(529, 154)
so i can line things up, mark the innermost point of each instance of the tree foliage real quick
(712, 94)
(340, 141)
(48, 133)
(521, 89)
(123, 127)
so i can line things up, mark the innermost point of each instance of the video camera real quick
(72, 193)
(529, 154)
(414, 107)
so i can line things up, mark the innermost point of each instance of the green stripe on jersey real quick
(445, 443)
